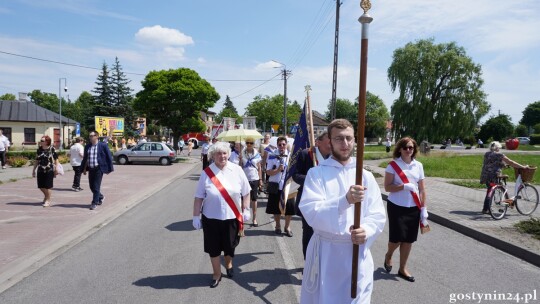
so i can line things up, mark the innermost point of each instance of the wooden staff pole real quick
(365, 19)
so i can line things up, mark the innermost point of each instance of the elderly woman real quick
(404, 214)
(46, 163)
(221, 197)
(251, 163)
(494, 162)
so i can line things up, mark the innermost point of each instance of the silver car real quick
(148, 152)
(524, 140)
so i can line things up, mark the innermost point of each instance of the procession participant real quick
(264, 154)
(97, 161)
(46, 162)
(204, 153)
(236, 153)
(276, 168)
(327, 205)
(222, 198)
(403, 213)
(306, 160)
(251, 163)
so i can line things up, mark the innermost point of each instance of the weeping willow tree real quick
(440, 91)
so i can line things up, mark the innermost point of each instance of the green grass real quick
(468, 167)
(531, 226)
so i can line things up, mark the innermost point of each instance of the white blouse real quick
(234, 180)
(414, 172)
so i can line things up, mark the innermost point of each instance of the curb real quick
(526, 255)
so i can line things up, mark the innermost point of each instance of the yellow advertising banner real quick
(109, 126)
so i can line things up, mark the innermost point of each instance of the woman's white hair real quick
(494, 146)
(219, 147)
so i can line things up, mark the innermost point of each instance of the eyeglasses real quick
(282, 144)
(249, 143)
(410, 148)
(342, 139)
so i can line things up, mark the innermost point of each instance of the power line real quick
(256, 86)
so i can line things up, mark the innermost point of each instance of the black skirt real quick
(272, 207)
(45, 179)
(403, 223)
(254, 193)
(220, 236)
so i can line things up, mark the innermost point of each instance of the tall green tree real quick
(268, 110)
(173, 98)
(228, 111)
(103, 93)
(497, 128)
(47, 100)
(440, 91)
(531, 115)
(344, 109)
(122, 98)
(8, 96)
(376, 116)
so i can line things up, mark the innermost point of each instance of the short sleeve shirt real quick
(234, 180)
(414, 172)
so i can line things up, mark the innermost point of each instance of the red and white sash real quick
(405, 180)
(226, 196)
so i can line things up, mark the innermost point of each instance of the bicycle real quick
(526, 199)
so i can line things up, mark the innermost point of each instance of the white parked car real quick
(524, 140)
(149, 152)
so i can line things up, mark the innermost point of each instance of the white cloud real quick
(173, 53)
(162, 37)
(201, 60)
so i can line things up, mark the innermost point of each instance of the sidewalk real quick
(458, 208)
(31, 236)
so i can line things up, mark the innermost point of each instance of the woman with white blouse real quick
(214, 215)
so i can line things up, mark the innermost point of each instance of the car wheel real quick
(122, 160)
(164, 161)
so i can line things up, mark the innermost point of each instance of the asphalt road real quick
(151, 254)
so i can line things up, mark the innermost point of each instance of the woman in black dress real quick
(46, 162)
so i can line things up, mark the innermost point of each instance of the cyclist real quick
(494, 162)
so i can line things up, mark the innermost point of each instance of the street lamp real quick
(284, 74)
(60, 102)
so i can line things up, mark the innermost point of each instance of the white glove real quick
(411, 187)
(246, 215)
(424, 222)
(423, 213)
(197, 222)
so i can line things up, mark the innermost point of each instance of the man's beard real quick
(339, 157)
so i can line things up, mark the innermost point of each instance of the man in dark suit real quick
(97, 160)
(307, 160)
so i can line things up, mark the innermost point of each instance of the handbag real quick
(272, 187)
(59, 169)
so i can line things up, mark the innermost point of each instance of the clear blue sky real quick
(237, 40)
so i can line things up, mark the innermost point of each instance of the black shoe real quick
(101, 201)
(408, 278)
(277, 230)
(93, 206)
(215, 283)
(485, 211)
(288, 233)
(230, 272)
(387, 267)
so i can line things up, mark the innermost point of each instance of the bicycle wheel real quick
(498, 206)
(527, 199)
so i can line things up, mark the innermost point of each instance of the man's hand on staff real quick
(358, 235)
(355, 194)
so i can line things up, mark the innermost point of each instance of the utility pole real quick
(284, 74)
(334, 79)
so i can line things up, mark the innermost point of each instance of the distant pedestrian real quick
(494, 162)
(189, 147)
(388, 144)
(123, 141)
(220, 207)
(204, 153)
(97, 161)
(76, 154)
(46, 162)
(181, 145)
(480, 143)
(4, 147)
(404, 180)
